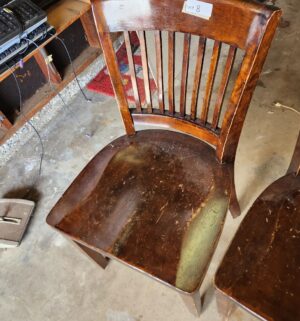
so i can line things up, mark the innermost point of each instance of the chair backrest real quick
(295, 163)
(241, 25)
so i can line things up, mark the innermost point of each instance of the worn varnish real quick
(142, 202)
(261, 269)
(244, 25)
(156, 200)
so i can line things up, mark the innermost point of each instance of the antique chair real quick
(156, 199)
(261, 269)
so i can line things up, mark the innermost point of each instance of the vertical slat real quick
(171, 66)
(223, 86)
(145, 70)
(210, 80)
(115, 76)
(158, 48)
(132, 71)
(197, 79)
(184, 73)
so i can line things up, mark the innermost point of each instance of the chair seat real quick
(261, 269)
(155, 201)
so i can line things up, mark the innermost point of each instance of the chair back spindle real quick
(159, 71)
(145, 70)
(227, 89)
(184, 73)
(171, 71)
(132, 71)
(197, 79)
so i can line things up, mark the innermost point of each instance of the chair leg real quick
(95, 256)
(234, 205)
(225, 306)
(193, 302)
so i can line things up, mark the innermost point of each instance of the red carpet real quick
(102, 84)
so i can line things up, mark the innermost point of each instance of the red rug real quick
(102, 84)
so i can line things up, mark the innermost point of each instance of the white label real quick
(198, 8)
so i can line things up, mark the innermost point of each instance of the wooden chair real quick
(261, 269)
(156, 200)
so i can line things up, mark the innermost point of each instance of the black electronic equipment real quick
(29, 15)
(18, 48)
(22, 24)
(44, 3)
(10, 28)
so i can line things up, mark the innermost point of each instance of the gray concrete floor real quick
(46, 278)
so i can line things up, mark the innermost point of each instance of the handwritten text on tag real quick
(198, 8)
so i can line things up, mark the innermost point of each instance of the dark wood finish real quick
(171, 66)
(244, 87)
(132, 71)
(260, 270)
(159, 72)
(234, 205)
(197, 79)
(41, 56)
(140, 201)
(252, 34)
(90, 30)
(223, 86)
(112, 66)
(145, 70)
(156, 200)
(184, 73)
(168, 15)
(176, 124)
(254, 38)
(210, 80)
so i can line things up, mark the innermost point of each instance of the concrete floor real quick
(46, 278)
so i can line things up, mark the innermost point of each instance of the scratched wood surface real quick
(156, 200)
(141, 201)
(261, 269)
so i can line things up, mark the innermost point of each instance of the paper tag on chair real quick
(198, 8)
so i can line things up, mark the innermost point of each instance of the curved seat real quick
(261, 269)
(155, 201)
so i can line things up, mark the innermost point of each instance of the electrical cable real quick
(72, 66)
(53, 87)
(30, 123)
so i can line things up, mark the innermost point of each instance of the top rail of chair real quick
(235, 22)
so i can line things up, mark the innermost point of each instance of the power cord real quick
(72, 66)
(30, 123)
(47, 61)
